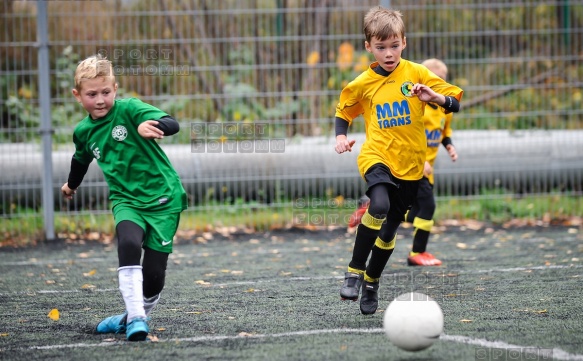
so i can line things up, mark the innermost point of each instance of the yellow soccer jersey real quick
(437, 126)
(395, 134)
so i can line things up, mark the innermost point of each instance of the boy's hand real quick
(452, 152)
(148, 130)
(426, 94)
(68, 192)
(427, 170)
(343, 144)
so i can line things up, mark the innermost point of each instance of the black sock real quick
(378, 261)
(365, 238)
(420, 240)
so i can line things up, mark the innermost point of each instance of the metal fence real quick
(254, 84)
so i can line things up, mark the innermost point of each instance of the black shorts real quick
(424, 206)
(425, 191)
(402, 193)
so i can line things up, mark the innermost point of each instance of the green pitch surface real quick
(506, 295)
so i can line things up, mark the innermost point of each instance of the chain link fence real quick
(254, 84)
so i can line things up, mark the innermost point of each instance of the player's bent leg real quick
(381, 252)
(154, 271)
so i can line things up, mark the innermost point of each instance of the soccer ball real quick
(413, 321)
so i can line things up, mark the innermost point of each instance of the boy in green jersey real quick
(145, 190)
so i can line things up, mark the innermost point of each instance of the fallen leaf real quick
(54, 314)
(466, 321)
(541, 311)
(3, 334)
(90, 273)
(461, 245)
(153, 338)
(161, 329)
(87, 286)
(202, 282)
(245, 334)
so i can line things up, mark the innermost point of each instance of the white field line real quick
(273, 280)
(526, 351)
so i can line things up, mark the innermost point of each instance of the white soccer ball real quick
(413, 321)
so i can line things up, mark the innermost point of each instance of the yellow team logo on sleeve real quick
(406, 88)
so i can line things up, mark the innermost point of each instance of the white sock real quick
(130, 285)
(150, 303)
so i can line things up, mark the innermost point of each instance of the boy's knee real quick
(378, 209)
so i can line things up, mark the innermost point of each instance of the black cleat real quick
(369, 302)
(351, 286)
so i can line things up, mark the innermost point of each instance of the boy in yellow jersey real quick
(391, 95)
(438, 130)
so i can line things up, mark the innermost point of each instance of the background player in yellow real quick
(391, 95)
(438, 130)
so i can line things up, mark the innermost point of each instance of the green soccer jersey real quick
(137, 170)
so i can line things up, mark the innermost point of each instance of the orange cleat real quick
(357, 215)
(422, 259)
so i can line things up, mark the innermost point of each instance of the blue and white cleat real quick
(137, 330)
(113, 324)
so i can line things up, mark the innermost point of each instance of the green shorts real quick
(159, 229)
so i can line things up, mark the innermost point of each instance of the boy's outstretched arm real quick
(168, 125)
(157, 129)
(448, 144)
(76, 175)
(426, 94)
(342, 142)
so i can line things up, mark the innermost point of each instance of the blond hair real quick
(93, 67)
(383, 24)
(436, 66)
